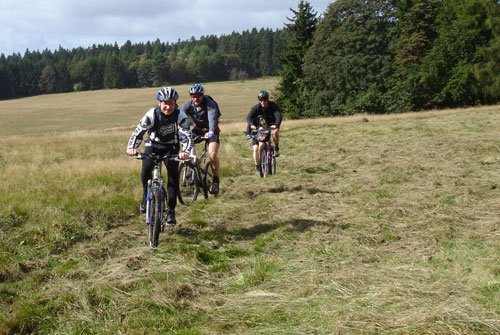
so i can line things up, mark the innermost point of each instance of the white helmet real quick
(167, 94)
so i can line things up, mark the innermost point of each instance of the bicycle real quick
(267, 160)
(195, 174)
(156, 198)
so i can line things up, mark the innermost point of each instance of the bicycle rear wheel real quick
(188, 187)
(208, 179)
(264, 164)
(272, 163)
(154, 226)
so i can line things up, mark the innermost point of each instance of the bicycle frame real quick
(193, 175)
(262, 135)
(156, 197)
(199, 161)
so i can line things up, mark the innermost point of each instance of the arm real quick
(185, 132)
(212, 115)
(136, 138)
(277, 115)
(186, 108)
(252, 114)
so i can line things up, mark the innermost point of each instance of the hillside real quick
(373, 225)
(111, 109)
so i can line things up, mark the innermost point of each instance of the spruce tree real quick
(291, 86)
(346, 67)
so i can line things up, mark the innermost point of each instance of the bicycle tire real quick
(165, 208)
(188, 186)
(208, 179)
(154, 227)
(264, 165)
(272, 163)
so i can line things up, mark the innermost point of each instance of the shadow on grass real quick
(298, 188)
(223, 235)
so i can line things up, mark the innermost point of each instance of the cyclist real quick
(204, 112)
(271, 112)
(166, 126)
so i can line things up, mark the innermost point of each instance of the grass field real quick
(373, 225)
(112, 109)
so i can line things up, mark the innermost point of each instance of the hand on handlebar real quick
(183, 155)
(253, 127)
(209, 134)
(132, 152)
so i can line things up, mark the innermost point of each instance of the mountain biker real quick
(271, 112)
(204, 112)
(166, 126)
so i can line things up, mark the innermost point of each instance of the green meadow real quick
(373, 225)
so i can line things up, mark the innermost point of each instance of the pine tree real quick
(47, 79)
(488, 70)
(291, 84)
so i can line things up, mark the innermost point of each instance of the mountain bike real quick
(267, 160)
(195, 174)
(156, 198)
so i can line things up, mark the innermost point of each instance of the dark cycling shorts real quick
(202, 131)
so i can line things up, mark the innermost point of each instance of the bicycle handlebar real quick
(253, 134)
(200, 138)
(142, 155)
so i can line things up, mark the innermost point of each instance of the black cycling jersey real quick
(272, 115)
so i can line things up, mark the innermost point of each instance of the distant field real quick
(373, 225)
(106, 109)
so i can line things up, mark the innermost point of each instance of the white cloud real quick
(48, 24)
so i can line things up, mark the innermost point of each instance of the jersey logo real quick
(166, 130)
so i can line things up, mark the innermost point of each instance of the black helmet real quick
(263, 96)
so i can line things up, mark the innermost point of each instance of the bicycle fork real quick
(148, 201)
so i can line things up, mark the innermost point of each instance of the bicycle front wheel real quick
(154, 226)
(264, 164)
(188, 187)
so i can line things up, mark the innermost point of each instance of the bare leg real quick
(256, 154)
(276, 135)
(213, 149)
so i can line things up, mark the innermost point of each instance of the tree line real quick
(368, 56)
(379, 56)
(252, 53)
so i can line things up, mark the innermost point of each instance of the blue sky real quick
(48, 24)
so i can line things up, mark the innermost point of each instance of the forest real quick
(387, 56)
(359, 56)
(252, 53)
